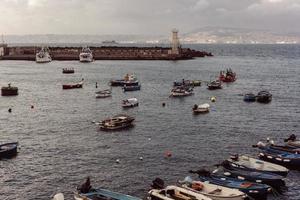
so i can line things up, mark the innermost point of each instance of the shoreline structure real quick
(175, 52)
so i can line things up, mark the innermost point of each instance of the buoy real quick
(32, 106)
(118, 161)
(9, 110)
(141, 158)
(149, 138)
(163, 104)
(96, 85)
(213, 99)
(168, 154)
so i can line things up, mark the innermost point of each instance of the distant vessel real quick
(109, 42)
(86, 55)
(43, 56)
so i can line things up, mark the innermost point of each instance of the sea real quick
(59, 145)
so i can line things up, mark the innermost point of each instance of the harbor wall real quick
(103, 53)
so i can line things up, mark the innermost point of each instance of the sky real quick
(149, 17)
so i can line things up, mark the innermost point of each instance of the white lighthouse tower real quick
(175, 42)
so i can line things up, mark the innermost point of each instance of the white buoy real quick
(141, 158)
(149, 138)
(118, 161)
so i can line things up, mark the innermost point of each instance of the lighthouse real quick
(175, 42)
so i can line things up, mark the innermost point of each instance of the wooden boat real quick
(175, 193)
(264, 97)
(103, 93)
(249, 97)
(68, 71)
(254, 190)
(8, 150)
(102, 194)
(292, 141)
(228, 76)
(9, 91)
(127, 88)
(129, 103)
(117, 122)
(215, 192)
(203, 108)
(181, 91)
(214, 85)
(73, 86)
(249, 163)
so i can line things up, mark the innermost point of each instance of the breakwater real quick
(103, 53)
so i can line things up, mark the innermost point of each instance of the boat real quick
(9, 90)
(228, 76)
(249, 97)
(274, 180)
(117, 122)
(73, 85)
(68, 70)
(214, 85)
(254, 190)
(58, 196)
(127, 88)
(129, 103)
(172, 192)
(86, 192)
(203, 108)
(181, 91)
(292, 141)
(291, 161)
(8, 150)
(215, 192)
(271, 147)
(103, 93)
(249, 163)
(43, 56)
(129, 80)
(86, 55)
(191, 83)
(264, 97)
(110, 42)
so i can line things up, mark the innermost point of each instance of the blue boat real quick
(289, 160)
(254, 190)
(131, 88)
(8, 150)
(250, 97)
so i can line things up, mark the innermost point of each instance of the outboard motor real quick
(291, 138)
(158, 184)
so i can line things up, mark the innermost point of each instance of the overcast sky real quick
(144, 16)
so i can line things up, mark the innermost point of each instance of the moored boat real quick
(127, 88)
(264, 97)
(215, 192)
(129, 103)
(190, 83)
(203, 108)
(8, 150)
(73, 85)
(117, 122)
(249, 163)
(9, 90)
(103, 93)
(214, 85)
(249, 97)
(129, 80)
(86, 55)
(181, 91)
(292, 141)
(68, 71)
(43, 56)
(228, 76)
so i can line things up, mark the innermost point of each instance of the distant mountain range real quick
(201, 35)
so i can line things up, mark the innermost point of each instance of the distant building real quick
(175, 43)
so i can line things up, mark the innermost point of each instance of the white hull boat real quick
(86, 55)
(129, 103)
(203, 108)
(43, 56)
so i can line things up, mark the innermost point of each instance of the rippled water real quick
(59, 146)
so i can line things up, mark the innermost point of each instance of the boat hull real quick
(9, 92)
(290, 163)
(8, 150)
(75, 86)
(131, 88)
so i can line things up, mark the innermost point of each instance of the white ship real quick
(86, 55)
(43, 56)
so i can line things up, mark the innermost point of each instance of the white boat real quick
(86, 55)
(175, 193)
(178, 92)
(203, 108)
(244, 161)
(43, 56)
(215, 192)
(128, 103)
(58, 196)
(103, 93)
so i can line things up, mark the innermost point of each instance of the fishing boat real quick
(228, 76)
(203, 108)
(190, 83)
(73, 85)
(127, 88)
(249, 163)
(9, 90)
(43, 56)
(291, 161)
(175, 193)
(129, 80)
(58, 196)
(86, 55)
(264, 97)
(117, 122)
(103, 93)
(8, 150)
(129, 103)
(292, 141)
(271, 147)
(274, 180)
(215, 192)
(254, 190)
(249, 97)
(214, 85)
(181, 91)
(68, 71)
